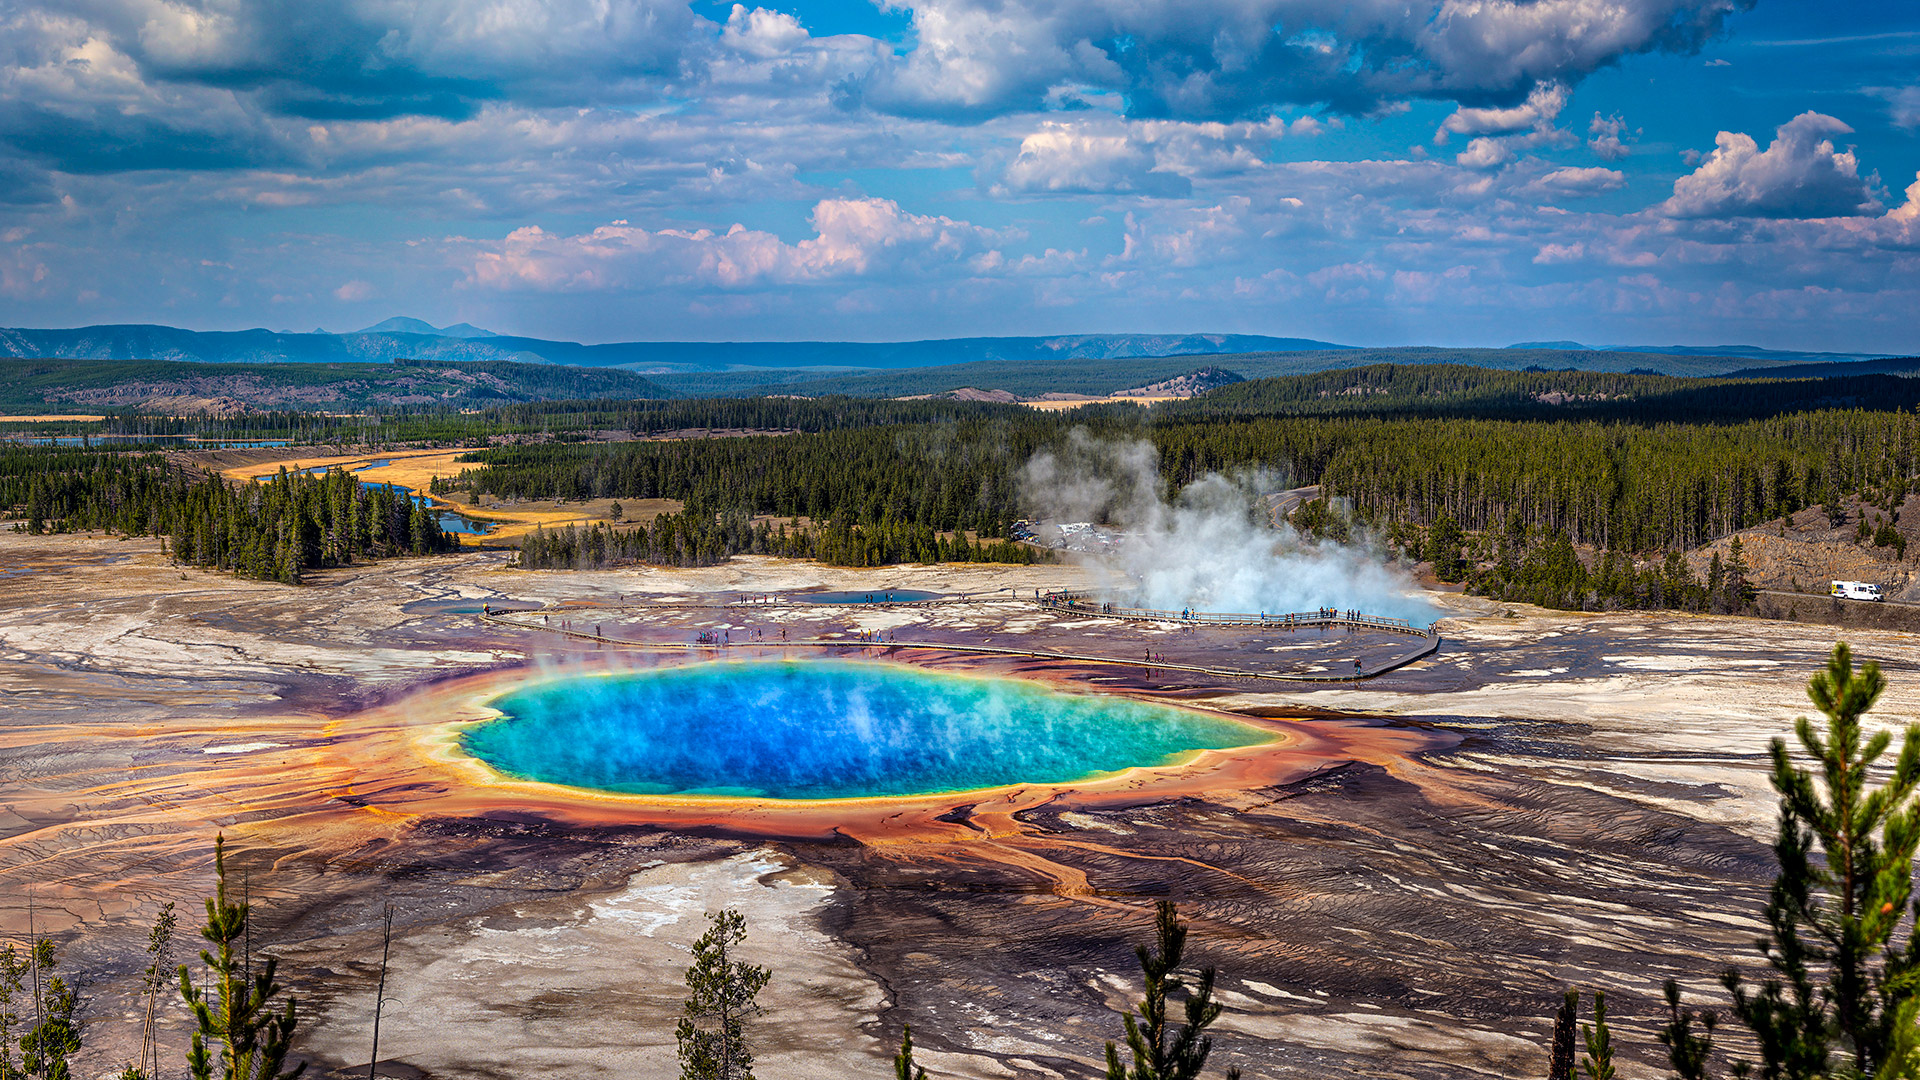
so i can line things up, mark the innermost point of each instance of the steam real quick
(1211, 546)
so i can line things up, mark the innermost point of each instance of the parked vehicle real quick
(1855, 590)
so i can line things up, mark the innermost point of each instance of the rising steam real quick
(1211, 546)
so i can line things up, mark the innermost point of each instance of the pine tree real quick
(1598, 1064)
(231, 1009)
(47, 1035)
(1843, 990)
(1687, 1052)
(712, 1034)
(1147, 1038)
(903, 1064)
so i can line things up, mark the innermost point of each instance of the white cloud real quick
(1228, 59)
(1908, 212)
(354, 291)
(1540, 109)
(762, 33)
(1903, 104)
(1604, 137)
(1484, 153)
(853, 238)
(1059, 158)
(1550, 254)
(1577, 182)
(1799, 175)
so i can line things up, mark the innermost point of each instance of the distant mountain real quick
(1743, 352)
(143, 342)
(400, 324)
(1751, 352)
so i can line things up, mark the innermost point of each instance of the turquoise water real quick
(882, 596)
(826, 730)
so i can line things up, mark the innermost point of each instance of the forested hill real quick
(1032, 378)
(147, 342)
(1388, 390)
(182, 388)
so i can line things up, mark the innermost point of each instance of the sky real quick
(1450, 172)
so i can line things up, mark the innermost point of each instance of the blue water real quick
(826, 730)
(895, 596)
(460, 523)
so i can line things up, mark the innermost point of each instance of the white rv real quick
(1855, 590)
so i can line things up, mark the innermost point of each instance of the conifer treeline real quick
(689, 539)
(273, 530)
(889, 480)
(1460, 391)
(1614, 486)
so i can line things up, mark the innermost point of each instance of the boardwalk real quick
(1203, 655)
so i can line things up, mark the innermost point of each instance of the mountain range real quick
(399, 338)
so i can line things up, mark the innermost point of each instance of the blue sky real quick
(1368, 171)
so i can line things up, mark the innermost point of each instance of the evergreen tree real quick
(1154, 1057)
(1687, 1051)
(1598, 1064)
(233, 1008)
(712, 1034)
(37, 1011)
(903, 1064)
(1843, 991)
(1443, 549)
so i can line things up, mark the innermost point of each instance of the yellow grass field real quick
(417, 469)
(51, 418)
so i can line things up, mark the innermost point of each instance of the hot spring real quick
(827, 730)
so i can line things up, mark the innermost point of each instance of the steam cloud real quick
(1210, 547)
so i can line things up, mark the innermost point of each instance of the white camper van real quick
(1855, 590)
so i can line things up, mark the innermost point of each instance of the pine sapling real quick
(1686, 1051)
(1598, 1064)
(232, 1011)
(1157, 1054)
(903, 1063)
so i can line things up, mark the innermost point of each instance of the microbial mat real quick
(827, 730)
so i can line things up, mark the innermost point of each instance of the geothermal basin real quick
(803, 730)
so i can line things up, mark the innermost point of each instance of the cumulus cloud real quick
(1227, 59)
(331, 59)
(1540, 109)
(1604, 137)
(1908, 213)
(1576, 183)
(1485, 152)
(853, 238)
(761, 32)
(1058, 158)
(1152, 157)
(1799, 175)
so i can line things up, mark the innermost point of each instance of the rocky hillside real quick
(1198, 381)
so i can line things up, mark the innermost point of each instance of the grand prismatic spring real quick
(826, 730)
